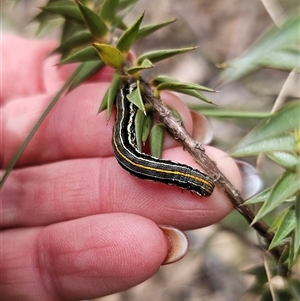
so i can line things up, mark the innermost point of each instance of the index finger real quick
(34, 71)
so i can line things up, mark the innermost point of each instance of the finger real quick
(35, 71)
(21, 74)
(72, 129)
(75, 188)
(80, 259)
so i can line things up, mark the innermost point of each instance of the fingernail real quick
(252, 183)
(202, 129)
(178, 244)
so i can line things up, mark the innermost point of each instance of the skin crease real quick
(74, 224)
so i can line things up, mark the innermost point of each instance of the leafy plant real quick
(89, 36)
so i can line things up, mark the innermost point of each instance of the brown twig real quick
(198, 153)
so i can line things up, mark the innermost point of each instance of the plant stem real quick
(37, 125)
(198, 153)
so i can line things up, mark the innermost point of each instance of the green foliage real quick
(136, 98)
(109, 97)
(67, 9)
(129, 36)
(274, 133)
(94, 23)
(146, 64)
(160, 55)
(110, 55)
(277, 48)
(157, 136)
(85, 54)
(88, 32)
(163, 82)
(276, 136)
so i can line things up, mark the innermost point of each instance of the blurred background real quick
(223, 258)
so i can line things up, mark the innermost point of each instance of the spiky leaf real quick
(84, 55)
(139, 124)
(67, 9)
(268, 45)
(129, 36)
(285, 59)
(147, 30)
(297, 227)
(159, 55)
(110, 55)
(110, 95)
(147, 125)
(259, 198)
(79, 39)
(286, 143)
(146, 64)
(286, 160)
(286, 186)
(163, 82)
(87, 71)
(285, 227)
(157, 136)
(136, 98)
(283, 121)
(108, 10)
(94, 23)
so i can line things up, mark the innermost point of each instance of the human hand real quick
(74, 224)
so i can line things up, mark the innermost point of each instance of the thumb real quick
(81, 259)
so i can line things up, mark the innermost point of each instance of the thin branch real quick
(198, 153)
(37, 125)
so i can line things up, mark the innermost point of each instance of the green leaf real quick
(69, 29)
(223, 113)
(175, 113)
(157, 136)
(259, 198)
(136, 98)
(195, 94)
(129, 36)
(108, 10)
(139, 124)
(278, 220)
(273, 40)
(47, 21)
(159, 55)
(287, 119)
(84, 55)
(286, 59)
(126, 7)
(285, 227)
(110, 55)
(124, 4)
(294, 287)
(297, 228)
(294, 251)
(94, 23)
(282, 143)
(147, 30)
(147, 125)
(143, 126)
(146, 64)
(285, 187)
(110, 95)
(169, 83)
(87, 70)
(37, 125)
(79, 39)
(67, 9)
(286, 160)
(181, 86)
